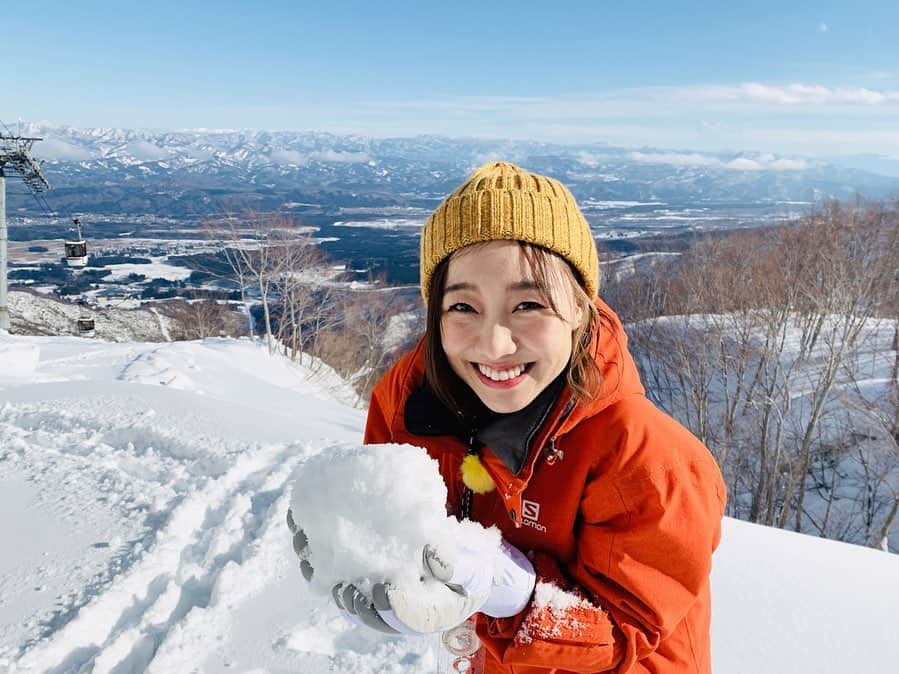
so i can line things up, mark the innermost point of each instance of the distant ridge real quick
(199, 172)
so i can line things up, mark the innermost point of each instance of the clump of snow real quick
(365, 524)
(18, 359)
(556, 600)
(554, 612)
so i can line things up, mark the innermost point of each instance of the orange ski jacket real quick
(619, 508)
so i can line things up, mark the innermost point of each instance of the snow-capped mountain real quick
(195, 172)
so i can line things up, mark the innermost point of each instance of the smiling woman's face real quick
(498, 329)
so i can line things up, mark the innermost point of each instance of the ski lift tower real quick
(15, 159)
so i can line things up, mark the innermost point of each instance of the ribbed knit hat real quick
(502, 201)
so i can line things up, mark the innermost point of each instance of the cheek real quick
(453, 335)
(553, 339)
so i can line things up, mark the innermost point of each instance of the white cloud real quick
(822, 27)
(792, 94)
(789, 164)
(145, 151)
(339, 157)
(333, 156)
(289, 157)
(675, 159)
(592, 159)
(744, 164)
(59, 150)
(765, 162)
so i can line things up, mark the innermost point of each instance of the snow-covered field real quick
(155, 269)
(143, 488)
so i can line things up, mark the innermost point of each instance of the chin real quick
(505, 405)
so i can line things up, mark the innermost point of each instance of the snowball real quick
(368, 512)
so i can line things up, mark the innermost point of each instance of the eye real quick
(459, 307)
(529, 306)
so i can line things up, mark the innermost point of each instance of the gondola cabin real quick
(76, 249)
(76, 253)
(85, 324)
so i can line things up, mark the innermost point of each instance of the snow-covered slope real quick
(143, 489)
(37, 314)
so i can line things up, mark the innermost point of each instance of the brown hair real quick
(583, 375)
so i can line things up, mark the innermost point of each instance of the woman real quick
(523, 390)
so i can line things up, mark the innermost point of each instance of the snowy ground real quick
(143, 489)
(34, 314)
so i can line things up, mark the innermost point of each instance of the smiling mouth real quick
(501, 375)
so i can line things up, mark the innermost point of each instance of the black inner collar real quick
(507, 435)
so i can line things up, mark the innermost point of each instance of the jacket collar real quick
(509, 436)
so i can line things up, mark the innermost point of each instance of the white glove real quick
(506, 579)
(498, 584)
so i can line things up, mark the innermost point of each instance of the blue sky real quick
(818, 81)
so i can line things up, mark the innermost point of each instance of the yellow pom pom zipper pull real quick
(475, 476)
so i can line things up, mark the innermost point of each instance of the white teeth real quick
(500, 375)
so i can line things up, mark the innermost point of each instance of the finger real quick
(337, 594)
(366, 612)
(381, 602)
(306, 570)
(290, 523)
(438, 567)
(300, 543)
(407, 614)
(380, 598)
(346, 597)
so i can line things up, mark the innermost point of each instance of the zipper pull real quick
(553, 454)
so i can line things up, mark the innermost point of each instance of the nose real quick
(497, 341)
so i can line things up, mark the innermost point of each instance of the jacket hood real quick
(620, 378)
(608, 346)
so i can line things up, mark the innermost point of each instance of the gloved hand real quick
(300, 546)
(497, 582)
(357, 606)
(457, 583)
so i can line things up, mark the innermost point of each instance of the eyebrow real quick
(519, 285)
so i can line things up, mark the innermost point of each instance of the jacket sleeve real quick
(561, 628)
(649, 522)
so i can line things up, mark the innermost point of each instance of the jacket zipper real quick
(552, 454)
(467, 495)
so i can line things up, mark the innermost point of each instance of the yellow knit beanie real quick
(502, 201)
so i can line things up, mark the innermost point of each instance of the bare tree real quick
(202, 318)
(752, 341)
(375, 325)
(269, 255)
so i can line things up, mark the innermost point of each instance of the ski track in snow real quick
(206, 523)
(186, 511)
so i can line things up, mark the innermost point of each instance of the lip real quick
(506, 384)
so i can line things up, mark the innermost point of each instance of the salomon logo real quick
(530, 513)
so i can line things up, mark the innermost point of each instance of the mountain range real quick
(194, 173)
